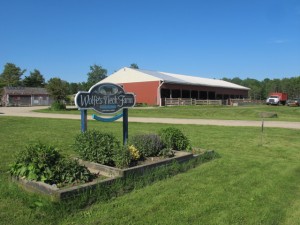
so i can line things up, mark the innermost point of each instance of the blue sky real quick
(214, 39)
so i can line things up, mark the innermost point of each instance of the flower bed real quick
(108, 175)
(56, 193)
(41, 168)
(150, 163)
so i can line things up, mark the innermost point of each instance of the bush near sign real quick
(105, 98)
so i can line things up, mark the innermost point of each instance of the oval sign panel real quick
(105, 98)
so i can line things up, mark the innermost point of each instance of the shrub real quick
(40, 162)
(96, 146)
(57, 106)
(69, 171)
(173, 138)
(148, 144)
(122, 157)
(35, 163)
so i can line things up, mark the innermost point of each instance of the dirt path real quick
(27, 112)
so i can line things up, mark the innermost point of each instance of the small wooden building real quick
(154, 88)
(25, 96)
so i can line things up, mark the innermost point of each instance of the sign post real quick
(105, 98)
(83, 113)
(125, 126)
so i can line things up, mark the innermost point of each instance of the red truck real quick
(277, 98)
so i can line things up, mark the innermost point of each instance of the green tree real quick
(83, 86)
(58, 89)
(256, 89)
(11, 75)
(262, 89)
(96, 74)
(134, 66)
(235, 80)
(35, 79)
(73, 88)
(291, 86)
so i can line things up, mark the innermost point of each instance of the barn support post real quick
(158, 101)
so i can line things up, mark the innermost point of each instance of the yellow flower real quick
(134, 152)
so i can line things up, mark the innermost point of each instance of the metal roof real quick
(24, 91)
(129, 75)
(162, 76)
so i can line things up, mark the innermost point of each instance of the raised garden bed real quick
(56, 193)
(108, 176)
(150, 163)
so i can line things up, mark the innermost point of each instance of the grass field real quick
(255, 181)
(284, 113)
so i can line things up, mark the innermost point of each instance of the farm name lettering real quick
(105, 98)
(93, 100)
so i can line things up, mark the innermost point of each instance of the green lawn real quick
(255, 181)
(284, 113)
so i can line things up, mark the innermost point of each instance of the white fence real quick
(190, 101)
(236, 102)
(207, 102)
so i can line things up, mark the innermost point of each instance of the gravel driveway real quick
(27, 112)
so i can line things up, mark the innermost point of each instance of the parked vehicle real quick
(277, 98)
(293, 102)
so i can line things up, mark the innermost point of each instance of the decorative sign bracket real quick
(105, 98)
(102, 119)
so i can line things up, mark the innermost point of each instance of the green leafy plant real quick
(35, 161)
(174, 138)
(44, 163)
(122, 157)
(96, 146)
(147, 144)
(69, 171)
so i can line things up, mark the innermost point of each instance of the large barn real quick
(153, 87)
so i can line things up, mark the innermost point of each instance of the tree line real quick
(59, 89)
(260, 90)
(12, 77)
